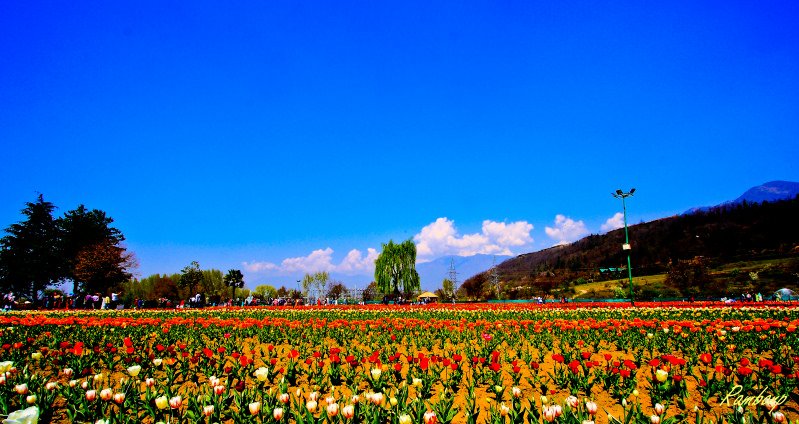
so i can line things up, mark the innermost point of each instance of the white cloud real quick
(355, 263)
(436, 239)
(441, 238)
(513, 234)
(259, 266)
(566, 230)
(319, 260)
(613, 223)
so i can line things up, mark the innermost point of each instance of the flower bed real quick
(465, 363)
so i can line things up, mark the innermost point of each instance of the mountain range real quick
(769, 192)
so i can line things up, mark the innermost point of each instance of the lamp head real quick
(632, 191)
(619, 192)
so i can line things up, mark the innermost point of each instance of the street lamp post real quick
(299, 292)
(622, 195)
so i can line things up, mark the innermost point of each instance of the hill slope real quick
(722, 234)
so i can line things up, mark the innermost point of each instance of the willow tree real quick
(395, 268)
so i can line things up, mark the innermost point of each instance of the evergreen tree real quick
(29, 253)
(191, 276)
(88, 235)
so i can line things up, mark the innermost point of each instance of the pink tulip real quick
(572, 402)
(430, 417)
(549, 414)
(119, 398)
(332, 410)
(175, 402)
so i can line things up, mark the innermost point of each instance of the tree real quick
(447, 289)
(191, 277)
(165, 286)
(370, 292)
(322, 278)
(690, 277)
(265, 291)
(282, 292)
(337, 290)
(308, 283)
(29, 252)
(316, 281)
(81, 229)
(213, 283)
(475, 286)
(234, 280)
(395, 268)
(101, 266)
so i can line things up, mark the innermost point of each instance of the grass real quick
(606, 289)
(747, 266)
(724, 272)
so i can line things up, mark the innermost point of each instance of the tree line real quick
(81, 246)
(43, 251)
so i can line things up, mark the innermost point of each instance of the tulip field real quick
(475, 363)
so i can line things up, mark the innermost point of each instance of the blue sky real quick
(245, 134)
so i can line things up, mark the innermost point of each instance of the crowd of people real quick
(56, 300)
(113, 300)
